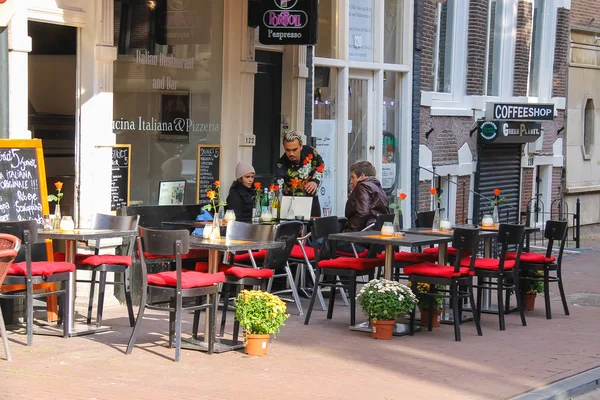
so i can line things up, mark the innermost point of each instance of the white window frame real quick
(542, 30)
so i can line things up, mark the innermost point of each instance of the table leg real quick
(214, 259)
(442, 253)
(389, 262)
(70, 247)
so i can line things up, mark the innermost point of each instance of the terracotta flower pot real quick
(382, 329)
(529, 302)
(256, 344)
(425, 318)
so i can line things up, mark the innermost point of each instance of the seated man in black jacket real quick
(366, 200)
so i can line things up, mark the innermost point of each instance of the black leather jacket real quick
(240, 200)
(366, 201)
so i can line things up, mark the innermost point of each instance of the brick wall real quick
(476, 45)
(427, 52)
(424, 196)
(561, 51)
(522, 48)
(551, 129)
(526, 187)
(582, 11)
(449, 134)
(462, 214)
(556, 187)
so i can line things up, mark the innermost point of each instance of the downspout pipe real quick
(4, 83)
(416, 103)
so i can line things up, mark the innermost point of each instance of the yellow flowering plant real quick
(427, 302)
(260, 313)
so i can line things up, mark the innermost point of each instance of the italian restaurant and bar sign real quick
(519, 112)
(288, 22)
(508, 131)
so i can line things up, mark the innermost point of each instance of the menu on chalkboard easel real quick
(23, 193)
(119, 188)
(209, 168)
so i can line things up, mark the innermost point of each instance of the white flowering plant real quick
(385, 300)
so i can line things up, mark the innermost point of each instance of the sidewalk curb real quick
(567, 388)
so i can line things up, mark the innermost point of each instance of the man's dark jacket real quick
(366, 201)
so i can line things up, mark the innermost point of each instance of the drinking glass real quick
(326, 211)
(49, 221)
(229, 215)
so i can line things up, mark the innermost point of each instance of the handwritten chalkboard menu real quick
(119, 190)
(209, 168)
(23, 194)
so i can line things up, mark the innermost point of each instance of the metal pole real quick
(416, 104)
(4, 83)
(578, 223)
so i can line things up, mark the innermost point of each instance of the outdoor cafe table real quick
(215, 255)
(408, 240)
(71, 237)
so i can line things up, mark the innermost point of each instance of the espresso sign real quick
(509, 132)
(209, 168)
(23, 194)
(119, 188)
(288, 22)
(520, 112)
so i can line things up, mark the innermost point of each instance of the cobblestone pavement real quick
(323, 360)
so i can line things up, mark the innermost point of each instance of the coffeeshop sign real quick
(519, 112)
(288, 22)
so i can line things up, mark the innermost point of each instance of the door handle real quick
(371, 147)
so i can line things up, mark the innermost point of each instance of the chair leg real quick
(172, 321)
(91, 302)
(4, 337)
(518, 296)
(270, 284)
(500, 290)
(475, 310)
(62, 300)
(138, 323)
(332, 299)
(316, 291)
(547, 293)
(562, 292)
(213, 323)
(178, 307)
(128, 300)
(293, 288)
(236, 323)
(352, 293)
(411, 331)
(225, 295)
(479, 295)
(101, 292)
(455, 310)
(316, 286)
(196, 323)
(29, 312)
(342, 292)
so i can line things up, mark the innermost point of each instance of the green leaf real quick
(207, 207)
(52, 197)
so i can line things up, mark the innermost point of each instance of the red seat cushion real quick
(432, 269)
(533, 258)
(244, 258)
(297, 252)
(362, 254)
(406, 257)
(106, 259)
(189, 279)
(244, 272)
(41, 268)
(192, 254)
(451, 251)
(60, 257)
(491, 264)
(359, 264)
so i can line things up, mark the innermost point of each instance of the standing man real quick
(301, 169)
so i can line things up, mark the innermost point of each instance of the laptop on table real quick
(292, 206)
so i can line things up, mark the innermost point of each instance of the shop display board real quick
(209, 169)
(121, 176)
(23, 192)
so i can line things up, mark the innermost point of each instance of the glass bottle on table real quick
(275, 206)
(264, 202)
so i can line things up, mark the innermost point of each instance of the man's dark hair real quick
(363, 167)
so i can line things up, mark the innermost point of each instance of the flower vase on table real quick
(436, 220)
(495, 217)
(215, 233)
(58, 216)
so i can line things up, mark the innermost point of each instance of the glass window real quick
(444, 40)
(327, 44)
(494, 47)
(392, 32)
(588, 127)
(390, 163)
(324, 130)
(536, 46)
(360, 30)
(167, 89)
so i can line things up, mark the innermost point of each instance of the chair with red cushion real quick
(104, 263)
(30, 273)
(555, 231)
(500, 274)
(329, 266)
(176, 285)
(457, 277)
(9, 246)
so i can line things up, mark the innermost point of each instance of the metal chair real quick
(30, 273)
(9, 247)
(176, 285)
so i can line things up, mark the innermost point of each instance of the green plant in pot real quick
(429, 304)
(383, 301)
(261, 314)
(530, 285)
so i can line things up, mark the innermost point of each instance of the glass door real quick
(361, 144)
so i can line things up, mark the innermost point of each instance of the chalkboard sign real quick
(119, 189)
(23, 193)
(209, 168)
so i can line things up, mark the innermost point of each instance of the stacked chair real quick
(9, 247)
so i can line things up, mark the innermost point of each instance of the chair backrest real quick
(465, 240)
(424, 219)
(163, 242)
(237, 230)
(287, 232)
(381, 218)
(321, 229)
(510, 236)
(556, 230)
(154, 216)
(9, 246)
(105, 221)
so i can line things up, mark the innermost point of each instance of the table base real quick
(399, 329)
(221, 345)
(492, 309)
(81, 329)
(448, 318)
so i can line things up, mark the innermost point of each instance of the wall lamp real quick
(560, 130)
(472, 131)
(428, 133)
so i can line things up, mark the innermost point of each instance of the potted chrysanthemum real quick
(383, 301)
(261, 314)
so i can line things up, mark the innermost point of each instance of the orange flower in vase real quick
(436, 197)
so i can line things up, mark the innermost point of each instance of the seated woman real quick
(241, 194)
